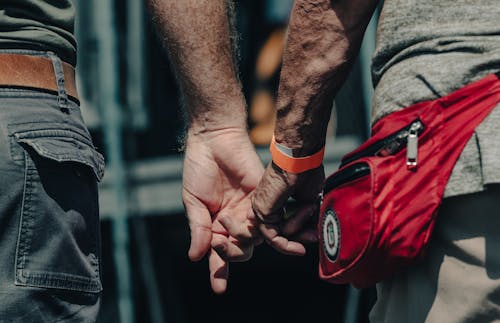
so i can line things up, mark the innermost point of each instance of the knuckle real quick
(243, 236)
(257, 201)
(197, 225)
(225, 219)
(220, 246)
(258, 212)
(278, 242)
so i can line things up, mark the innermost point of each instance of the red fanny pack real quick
(379, 208)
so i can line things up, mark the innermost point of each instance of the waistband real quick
(38, 70)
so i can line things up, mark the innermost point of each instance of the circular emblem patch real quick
(331, 235)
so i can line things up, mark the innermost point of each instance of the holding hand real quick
(283, 231)
(221, 169)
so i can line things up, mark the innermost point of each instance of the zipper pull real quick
(412, 146)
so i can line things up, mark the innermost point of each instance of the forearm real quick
(323, 40)
(197, 34)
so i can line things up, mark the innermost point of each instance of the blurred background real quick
(132, 107)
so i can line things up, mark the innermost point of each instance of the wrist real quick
(217, 136)
(302, 123)
(217, 118)
(301, 140)
(285, 158)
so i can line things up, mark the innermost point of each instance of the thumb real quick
(200, 225)
(271, 195)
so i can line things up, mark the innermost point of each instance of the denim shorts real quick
(49, 213)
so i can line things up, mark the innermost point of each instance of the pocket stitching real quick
(50, 280)
(45, 279)
(24, 238)
(35, 278)
(57, 128)
(94, 161)
(62, 157)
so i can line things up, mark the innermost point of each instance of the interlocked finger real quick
(219, 271)
(272, 236)
(297, 221)
(231, 249)
(244, 232)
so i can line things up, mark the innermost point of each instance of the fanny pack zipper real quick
(412, 144)
(388, 146)
(394, 143)
(348, 174)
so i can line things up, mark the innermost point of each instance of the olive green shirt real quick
(44, 25)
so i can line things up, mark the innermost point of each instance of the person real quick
(425, 50)
(221, 167)
(49, 238)
(49, 215)
(219, 173)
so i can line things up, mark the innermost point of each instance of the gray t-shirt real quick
(427, 49)
(39, 25)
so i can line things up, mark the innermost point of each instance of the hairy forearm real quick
(198, 35)
(324, 37)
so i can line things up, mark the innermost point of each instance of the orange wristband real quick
(292, 164)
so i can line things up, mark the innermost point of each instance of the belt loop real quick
(62, 95)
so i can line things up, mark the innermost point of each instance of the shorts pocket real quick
(58, 243)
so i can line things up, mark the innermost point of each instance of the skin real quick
(221, 168)
(324, 37)
(214, 185)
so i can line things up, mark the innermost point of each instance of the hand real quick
(221, 169)
(284, 232)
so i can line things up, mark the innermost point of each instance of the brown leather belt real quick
(35, 72)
